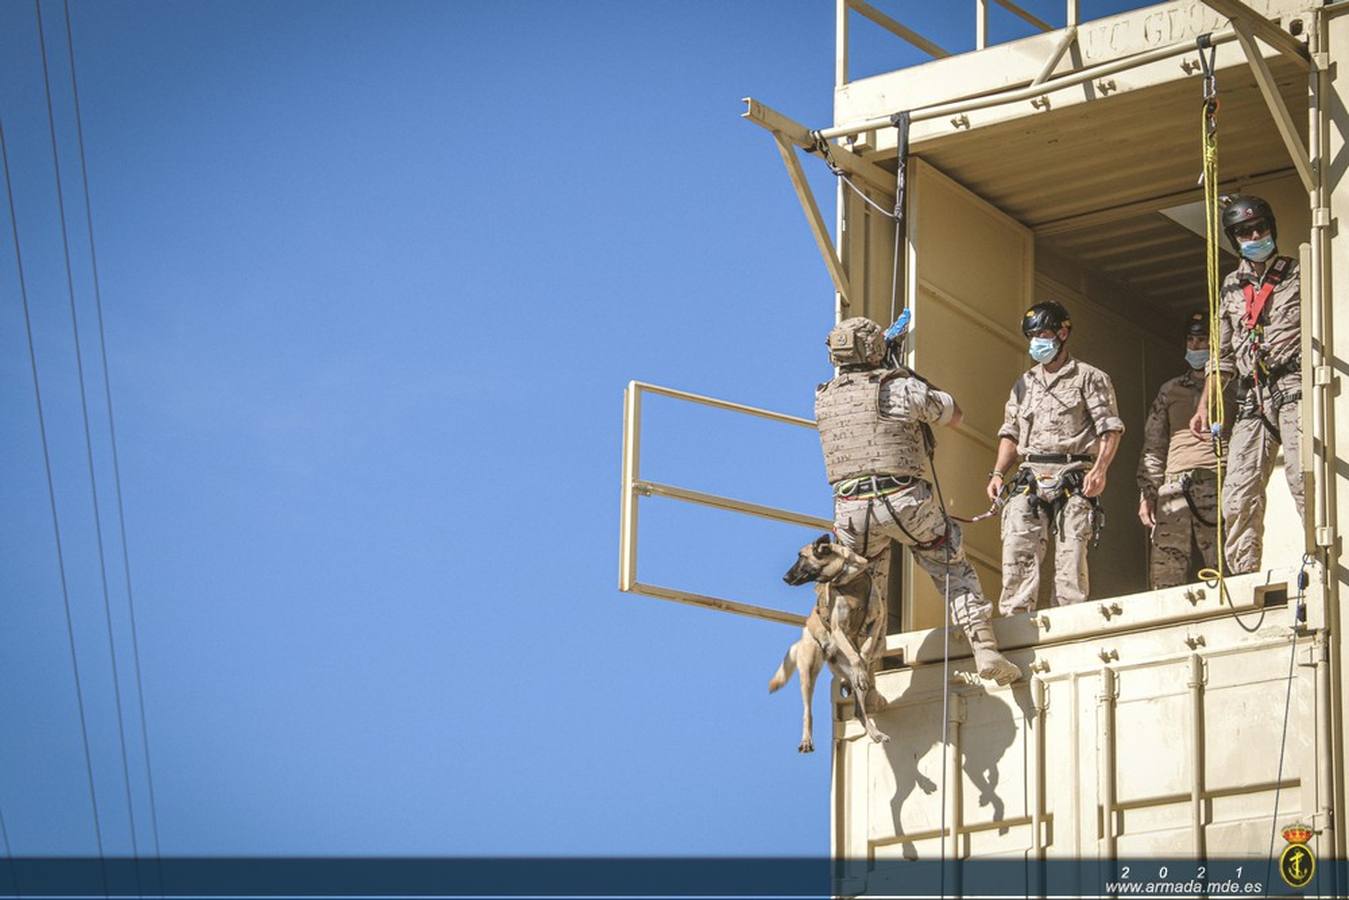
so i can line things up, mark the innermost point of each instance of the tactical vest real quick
(857, 440)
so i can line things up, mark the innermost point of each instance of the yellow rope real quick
(1216, 412)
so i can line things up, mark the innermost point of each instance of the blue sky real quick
(373, 279)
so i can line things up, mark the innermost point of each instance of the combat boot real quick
(991, 663)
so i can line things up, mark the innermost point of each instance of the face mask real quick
(1196, 358)
(1042, 350)
(1258, 251)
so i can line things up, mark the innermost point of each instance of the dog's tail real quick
(785, 670)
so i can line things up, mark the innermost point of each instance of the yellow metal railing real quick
(634, 488)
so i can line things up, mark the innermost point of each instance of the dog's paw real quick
(806, 746)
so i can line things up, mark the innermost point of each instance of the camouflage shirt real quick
(1279, 332)
(1169, 447)
(1063, 412)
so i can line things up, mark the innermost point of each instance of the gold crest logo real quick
(1297, 863)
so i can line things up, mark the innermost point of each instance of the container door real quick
(969, 274)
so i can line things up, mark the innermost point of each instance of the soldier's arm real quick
(1110, 428)
(922, 402)
(1008, 436)
(1002, 467)
(1156, 441)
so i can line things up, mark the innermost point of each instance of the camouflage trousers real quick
(917, 512)
(1177, 527)
(1250, 462)
(1026, 528)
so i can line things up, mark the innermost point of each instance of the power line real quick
(88, 439)
(51, 495)
(112, 431)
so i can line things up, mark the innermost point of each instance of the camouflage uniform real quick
(1063, 413)
(1178, 473)
(1267, 361)
(871, 423)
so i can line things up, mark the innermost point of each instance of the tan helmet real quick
(856, 342)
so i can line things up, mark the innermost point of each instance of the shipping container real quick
(1064, 166)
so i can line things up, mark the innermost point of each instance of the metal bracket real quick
(1105, 86)
(1325, 536)
(1322, 376)
(1194, 595)
(1109, 609)
(1108, 653)
(961, 121)
(1198, 667)
(1040, 102)
(1321, 217)
(1194, 641)
(1039, 665)
(1189, 67)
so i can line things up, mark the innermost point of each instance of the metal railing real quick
(908, 35)
(634, 488)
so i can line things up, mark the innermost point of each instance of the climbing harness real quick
(1050, 494)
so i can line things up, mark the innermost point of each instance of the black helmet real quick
(1048, 314)
(1244, 209)
(1196, 324)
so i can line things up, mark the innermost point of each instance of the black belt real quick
(1059, 457)
(871, 485)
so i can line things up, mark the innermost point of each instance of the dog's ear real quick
(822, 544)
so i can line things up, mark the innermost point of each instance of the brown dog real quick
(846, 629)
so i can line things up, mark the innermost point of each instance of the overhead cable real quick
(112, 433)
(51, 496)
(88, 437)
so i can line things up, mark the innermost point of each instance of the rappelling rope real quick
(822, 147)
(1212, 257)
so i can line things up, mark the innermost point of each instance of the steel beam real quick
(895, 28)
(1283, 121)
(813, 217)
(857, 167)
(1262, 28)
(984, 101)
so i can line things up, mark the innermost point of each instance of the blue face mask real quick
(1196, 358)
(1042, 349)
(1258, 251)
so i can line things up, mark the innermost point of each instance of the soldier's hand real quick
(1199, 422)
(1093, 484)
(1147, 512)
(994, 488)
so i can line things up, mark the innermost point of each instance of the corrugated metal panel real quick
(1152, 732)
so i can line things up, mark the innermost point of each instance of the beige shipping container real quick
(1153, 724)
